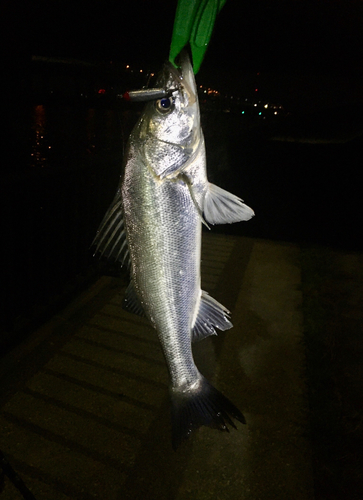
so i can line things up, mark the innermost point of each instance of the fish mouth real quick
(181, 78)
(187, 77)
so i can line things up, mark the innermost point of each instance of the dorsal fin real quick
(110, 239)
(211, 315)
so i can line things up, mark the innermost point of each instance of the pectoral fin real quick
(211, 315)
(222, 207)
(186, 179)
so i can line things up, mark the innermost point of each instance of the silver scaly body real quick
(155, 223)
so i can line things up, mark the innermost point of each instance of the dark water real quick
(54, 198)
(301, 192)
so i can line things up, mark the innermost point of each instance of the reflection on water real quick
(39, 144)
(60, 134)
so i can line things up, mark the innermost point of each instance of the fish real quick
(154, 227)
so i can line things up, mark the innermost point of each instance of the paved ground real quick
(84, 408)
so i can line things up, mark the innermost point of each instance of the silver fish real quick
(154, 224)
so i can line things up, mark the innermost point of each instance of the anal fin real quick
(211, 315)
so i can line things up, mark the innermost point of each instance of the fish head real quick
(170, 127)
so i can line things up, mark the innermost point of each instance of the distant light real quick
(266, 106)
(127, 66)
(102, 91)
(256, 90)
(152, 74)
(243, 112)
(260, 113)
(140, 70)
(275, 112)
(255, 105)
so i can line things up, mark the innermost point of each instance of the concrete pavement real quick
(84, 402)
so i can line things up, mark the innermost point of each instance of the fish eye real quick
(165, 105)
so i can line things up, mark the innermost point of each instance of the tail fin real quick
(201, 405)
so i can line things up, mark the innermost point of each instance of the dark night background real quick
(62, 156)
(281, 36)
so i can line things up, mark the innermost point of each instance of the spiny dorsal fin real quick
(111, 239)
(211, 315)
(222, 207)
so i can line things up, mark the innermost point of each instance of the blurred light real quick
(255, 105)
(266, 106)
(256, 90)
(140, 70)
(127, 66)
(243, 112)
(101, 91)
(275, 112)
(260, 113)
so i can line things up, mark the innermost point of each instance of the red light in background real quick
(101, 91)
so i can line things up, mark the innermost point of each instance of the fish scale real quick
(167, 296)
